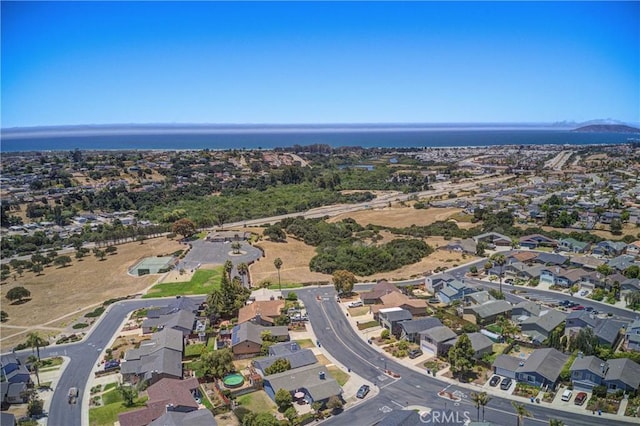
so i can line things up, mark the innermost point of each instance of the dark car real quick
(494, 381)
(506, 383)
(363, 391)
(580, 398)
(414, 353)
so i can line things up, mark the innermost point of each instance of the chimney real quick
(580, 354)
(169, 407)
(294, 346)
(604, 367)
(321, 375)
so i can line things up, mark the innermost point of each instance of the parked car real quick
(566, 395)
(415, 353)
(363, 391)
(509, 281)
(583, 293)
(355, 304)
(589, 308)
(494, 381)
(506, 383)
(578, 308)
(581, 397)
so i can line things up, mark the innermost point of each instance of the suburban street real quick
(336, 335)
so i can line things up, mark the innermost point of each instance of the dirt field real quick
(398, 216)
(61, 291)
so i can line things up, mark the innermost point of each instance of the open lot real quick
(398, 216)
(62, 291)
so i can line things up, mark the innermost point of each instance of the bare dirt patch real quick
(61, 291)
(398, 216)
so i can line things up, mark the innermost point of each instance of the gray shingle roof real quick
(248, 331)
(439, 334)
(624, 370)
(547, 362)
(307, 378)
(193, 418)
(478, 341)
(608, 330)
(507, 362)
(418, 325)
(297, 359)
(589, 363)
(547, 319)
(493, 307)
(551, 258)
(400, 315)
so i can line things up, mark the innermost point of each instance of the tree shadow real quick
(20, 302)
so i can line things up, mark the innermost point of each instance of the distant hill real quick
(607, 128)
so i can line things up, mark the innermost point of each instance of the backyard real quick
(107, 414)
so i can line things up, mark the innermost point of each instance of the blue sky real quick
(328, 62)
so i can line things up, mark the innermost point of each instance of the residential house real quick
(396, 299)
(477, 298)
(632, 336)
(586, 262)
(606, 330)
(437, 282)
(155, 359)
(289, 351)
(609, 248)
(12, 369)
(313, 380)
(521, 256)
(493, 239)
(489, 312)
(410, 330)
(633, 249)
(572, 245)
(522, 271)
(629, 285)
(183, 321)
(246, 338)
(166, 397)
(534, 241)
(587, 372)
(381, 288)
(8, 419)
(261, 312)
(616, 374)
(551, 259)
(562, 277)
(539, 327)
(437, 340)
(480, 343)
(390, 318)
(467, 245)
(621, 262)
(542, 368)
(591, 281)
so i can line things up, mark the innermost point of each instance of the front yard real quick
(606, 405)
(526, 391)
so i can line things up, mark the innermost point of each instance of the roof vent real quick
(321, 375)
(521, 363)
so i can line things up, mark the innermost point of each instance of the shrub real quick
(385, 334)
(600, 391)
(80, 325)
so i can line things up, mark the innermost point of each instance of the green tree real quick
(37, 268)
(35, 341)
(633, 300)
(283, 399)
(260, 419)
(236, 246)
(243, 270)
(62, 261)
(129, 394)
(480, 399)
(499, 260)
(35, 408)
(335, 403)
(228, 267)
(280, 365)
(4, 316)
(585, 341)
(461, 356)
(278, 264)
(100, 254)
(556, 422)
(184, 227)
(217, 364)
(17, 294)
(521, 412)
(292, 415)
(616, 226)
(111, 250)
(480, 248)
(343, 281)
(35, 364)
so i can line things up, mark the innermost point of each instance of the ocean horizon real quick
(223, 137)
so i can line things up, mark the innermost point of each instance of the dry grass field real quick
(61, 291)
(398, 216)
(626, 230)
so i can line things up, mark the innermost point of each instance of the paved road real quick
(84, 356)
(337, 336)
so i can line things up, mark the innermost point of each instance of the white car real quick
(355, 304)
(566, 395)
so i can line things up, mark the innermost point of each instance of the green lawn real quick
(305, 343)
(194, 350)
(284, 286)
(50, 364)
(340, 376)
(258, 402)
(111, 397)
(203, 281)
(109, 386)
(368, 324)
(107, 415)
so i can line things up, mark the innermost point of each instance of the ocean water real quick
(267, 139)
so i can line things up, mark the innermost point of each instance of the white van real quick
(566, 395)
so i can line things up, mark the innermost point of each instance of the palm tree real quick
(35, 341)
(475, 398)
(483, 399)
(556, 422)
(499, 260)
(521, 412)
(228, 266)
(35, 366)
(235, 246)
(243, 270)
(278, 264)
